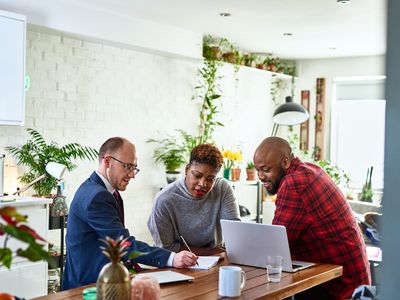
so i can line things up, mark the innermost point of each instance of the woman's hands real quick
(184, 259)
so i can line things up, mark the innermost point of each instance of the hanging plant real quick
(208, 92)
(277, 84)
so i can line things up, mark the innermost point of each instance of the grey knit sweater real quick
(176, 212)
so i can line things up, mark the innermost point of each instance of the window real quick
(358, 128)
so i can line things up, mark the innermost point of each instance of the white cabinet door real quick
(25, 280)
(12, 68)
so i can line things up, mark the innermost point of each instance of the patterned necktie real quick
(120, 206)
(129, 264)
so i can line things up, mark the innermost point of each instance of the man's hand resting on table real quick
(184, 259)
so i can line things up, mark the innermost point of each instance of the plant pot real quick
(251, 174)
(172, 176)
(227, 174)
(230, 57)
(213, 52)
(271, 68)
(217, 53)
(261, 66)
(236, 174)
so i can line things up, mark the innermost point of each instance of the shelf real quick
(58, 222)
(55, 222)
(266, 72)
(55, 261)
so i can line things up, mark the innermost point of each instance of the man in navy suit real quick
(97, 211)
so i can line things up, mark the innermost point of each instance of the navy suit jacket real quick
(93, 215)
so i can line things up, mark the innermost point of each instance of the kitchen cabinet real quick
(12, 68)
(27, 279)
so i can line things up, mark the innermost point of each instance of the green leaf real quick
(5, 257)
(19, 234)
(34, 252)
(36, 153)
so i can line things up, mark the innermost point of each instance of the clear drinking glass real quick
(274, 268)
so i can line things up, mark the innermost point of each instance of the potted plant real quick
(171, 154)
(366, 193)
(36, 153)
(340, 177)
(212, 47)
(231, 158)
(260, 62)
(249, 60)
(251, 171)
(232, 55)
(273, 64)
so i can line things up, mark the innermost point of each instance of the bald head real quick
(274, 146)
(271, 159)
(112, 145)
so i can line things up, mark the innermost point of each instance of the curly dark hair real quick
(207, 154)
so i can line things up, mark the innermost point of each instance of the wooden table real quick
(205, 284)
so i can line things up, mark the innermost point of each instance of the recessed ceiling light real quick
(287, 34)
(343, 1)
(225, 14)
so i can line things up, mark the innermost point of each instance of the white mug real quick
(231, 281)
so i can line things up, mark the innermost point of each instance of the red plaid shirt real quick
(321, 226)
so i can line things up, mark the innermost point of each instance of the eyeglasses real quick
(128, 167)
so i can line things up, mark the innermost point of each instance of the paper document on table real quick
(206, 262)
(166, 276)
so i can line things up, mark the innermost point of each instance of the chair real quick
(375, 258)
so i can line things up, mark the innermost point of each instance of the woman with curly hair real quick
(193, 206)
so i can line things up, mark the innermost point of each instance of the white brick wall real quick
(86, 92)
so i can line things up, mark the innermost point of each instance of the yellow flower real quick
(231, 157)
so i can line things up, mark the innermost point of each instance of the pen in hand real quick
(187, 246)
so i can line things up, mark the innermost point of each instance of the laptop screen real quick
(250, 243)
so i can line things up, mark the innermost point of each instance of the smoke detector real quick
(343, 1)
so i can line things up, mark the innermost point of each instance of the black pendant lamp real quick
(289, 113)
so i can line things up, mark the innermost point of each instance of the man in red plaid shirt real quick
(319, 221)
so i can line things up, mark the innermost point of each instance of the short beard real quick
(275, 185)
(273, 191)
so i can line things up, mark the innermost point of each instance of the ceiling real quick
(319, 28)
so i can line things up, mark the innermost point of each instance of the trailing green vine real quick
(277, 84)
(209, 91)
(177, 149)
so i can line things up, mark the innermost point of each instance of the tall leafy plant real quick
(36, 153)
(209, 91)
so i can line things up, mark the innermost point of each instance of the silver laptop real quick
(250, 243)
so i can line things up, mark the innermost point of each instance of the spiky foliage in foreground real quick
(15, 227)
(115, 249)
